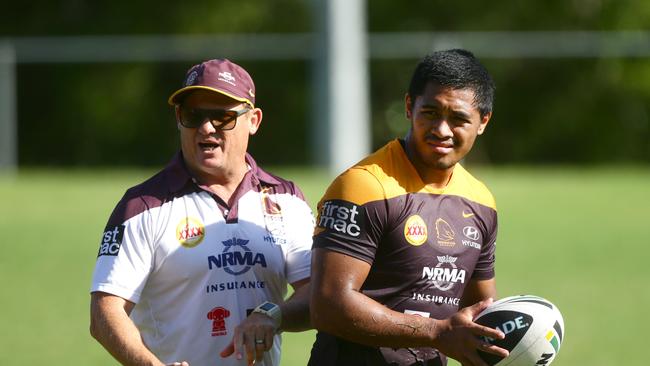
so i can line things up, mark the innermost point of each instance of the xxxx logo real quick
(415, 230)
(190, 232)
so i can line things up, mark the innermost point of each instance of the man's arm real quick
(295, 318)
(111, 326)
(295, 311)
(339, 308)
(478, 290)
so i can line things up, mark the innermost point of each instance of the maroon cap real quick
(221, 76)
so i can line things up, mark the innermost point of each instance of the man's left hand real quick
(253, 336)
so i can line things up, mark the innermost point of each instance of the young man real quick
(187, 255)
(406, 237)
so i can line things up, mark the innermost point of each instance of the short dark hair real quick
(456, 69)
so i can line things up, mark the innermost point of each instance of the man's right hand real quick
(459, 337)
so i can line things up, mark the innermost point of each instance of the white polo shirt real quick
(195, 270)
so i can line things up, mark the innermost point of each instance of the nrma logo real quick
(445, 274)
(233, 261)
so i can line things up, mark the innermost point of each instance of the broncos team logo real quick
(445, 234)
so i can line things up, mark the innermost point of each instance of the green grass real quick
(576, 236)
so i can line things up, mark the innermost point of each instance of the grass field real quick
(577, 236)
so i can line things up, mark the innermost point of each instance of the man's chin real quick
(208, 164)
(441, 164)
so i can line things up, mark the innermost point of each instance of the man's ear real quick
(408, 106)
(177, 113)
(484, 122)
(255, 121)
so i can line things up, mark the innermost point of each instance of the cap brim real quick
(173, 99)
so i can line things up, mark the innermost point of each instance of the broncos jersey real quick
(423, 244)
(195, 270)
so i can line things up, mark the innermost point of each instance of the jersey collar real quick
(178, 175)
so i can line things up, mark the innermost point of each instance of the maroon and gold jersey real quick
(423, 244)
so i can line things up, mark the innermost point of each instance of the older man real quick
(194, 263)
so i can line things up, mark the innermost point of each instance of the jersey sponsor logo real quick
(343, 217)
(275, 240)
(218, 316)
(445, 274)
(234, 261)
(233, 285)
(471, 232)
(415, 230)
(111, 241)
(467, 215)
(190, 232)
(444, 233)
(437, 299)
(471, 244)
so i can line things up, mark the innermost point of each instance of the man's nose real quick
(441, 128)
(206, 128)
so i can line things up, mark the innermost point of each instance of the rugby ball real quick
(533, 327)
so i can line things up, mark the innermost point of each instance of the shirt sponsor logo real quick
(340, 216)
(471, 232)
(233, 261)
(437, 299)
(444, 233)
(415, 230)
(275, 240)
(233, 285)
(111, 241)
(190, 232)
(218, 316)
(445, 274)
(467, 214)
(471, 244)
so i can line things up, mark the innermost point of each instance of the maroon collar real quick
(178, 176)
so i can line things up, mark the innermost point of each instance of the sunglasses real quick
(221, 119)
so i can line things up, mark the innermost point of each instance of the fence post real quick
(8, 130)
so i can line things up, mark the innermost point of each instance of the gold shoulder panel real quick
(386, 173)
(465, 185)
(356, 185)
